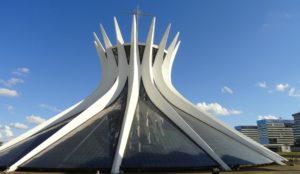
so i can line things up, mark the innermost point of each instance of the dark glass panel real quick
(89, 147)
(231, 152)
(165, 54)
(141, 52)
(127, 51)
(13, 154)
(156, 143)
(63, 121)
(272, 140)
(154, 52)
(115, 52)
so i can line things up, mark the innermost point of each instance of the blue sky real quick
(238, 59)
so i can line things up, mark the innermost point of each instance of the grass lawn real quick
(289, 153)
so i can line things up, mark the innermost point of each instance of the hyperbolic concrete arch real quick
(143, 71)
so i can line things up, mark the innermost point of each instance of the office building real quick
(276, 131)
(249, 131)
(296, 128)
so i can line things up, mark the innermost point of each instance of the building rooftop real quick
(246, 127)
(265, 121)
(296, 114)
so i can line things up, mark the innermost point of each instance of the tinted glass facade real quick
(89, 147)
(156, 143)
(13, 154)
(227, 148)
(141, 49)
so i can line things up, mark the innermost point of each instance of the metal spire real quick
(138, 12)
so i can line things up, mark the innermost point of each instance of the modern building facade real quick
(276, 131)
(296, 128)
(249, 131)
(134, 121)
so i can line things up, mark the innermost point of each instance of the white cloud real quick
(5, 133)
(8, 92)
(294, 93)
(21, 71)
(18, 126)
(35, 119)
(262, 84)
(11, 82)
(217, 109)
(235, 112)
(226, 89)
(48, 107)
(282, 87)
(268, 117)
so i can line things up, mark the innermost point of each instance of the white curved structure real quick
(134, 120)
